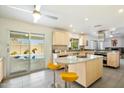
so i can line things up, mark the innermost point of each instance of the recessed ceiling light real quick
(86, 19)
(70, 25)
(121, 10)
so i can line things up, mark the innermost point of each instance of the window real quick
(74, 44)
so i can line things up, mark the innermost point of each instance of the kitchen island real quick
(89, 69)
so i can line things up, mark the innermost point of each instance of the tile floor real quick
(112, 78)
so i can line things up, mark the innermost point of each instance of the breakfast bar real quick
(89, 69)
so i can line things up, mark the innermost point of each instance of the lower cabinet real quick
(113, 59)
(88, 72)
(94, 71)
(1, 70)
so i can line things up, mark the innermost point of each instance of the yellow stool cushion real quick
(53, 66)
(69, 76)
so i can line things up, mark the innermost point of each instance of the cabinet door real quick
(66, 38)
(1, 71)
(80, 70)
(81, 41)
(112, 60)
(60, 38)
(85, 40)
(72, 68)
(54, 38)
(109, 62)
(91, 72)
(99, 68)
(57, 38)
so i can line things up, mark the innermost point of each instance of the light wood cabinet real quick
(60, 38)
(88, 72)
(1, 70)
(113, 59)
(84, 40)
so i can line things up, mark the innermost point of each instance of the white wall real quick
(8, 24)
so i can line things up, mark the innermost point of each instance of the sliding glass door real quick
(26, 52)
(19, 53)
(37, 58)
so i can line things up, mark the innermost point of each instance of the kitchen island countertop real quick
(74, 59)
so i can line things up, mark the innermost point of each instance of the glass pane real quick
(74, 43)
(19, 52)
(37, 57)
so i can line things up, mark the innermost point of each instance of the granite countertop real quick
(74, 59)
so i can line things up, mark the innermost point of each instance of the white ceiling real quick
(104, 15)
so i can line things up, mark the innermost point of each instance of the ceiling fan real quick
(36, 12)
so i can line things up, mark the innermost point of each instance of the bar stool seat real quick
(54, 67)
(69, 76)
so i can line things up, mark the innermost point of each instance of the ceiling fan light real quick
(36, 16)
(37, 7)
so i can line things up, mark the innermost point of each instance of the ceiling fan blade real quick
(20, 9)
(52, 17)
(37, 8)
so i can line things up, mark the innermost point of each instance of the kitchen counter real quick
(88, 69)
(64, 54)
(68, 53)
(75, 60)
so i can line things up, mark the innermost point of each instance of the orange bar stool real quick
(53, 66)
(69, 77)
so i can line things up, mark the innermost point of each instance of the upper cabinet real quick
(83, 40)
(60, 38)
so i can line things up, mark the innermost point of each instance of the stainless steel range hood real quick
(100, 41)
(101, 35)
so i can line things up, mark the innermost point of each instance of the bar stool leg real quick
(66, 69)
(54, 79)
(66, 85)
(69, 85)
(55, 85)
